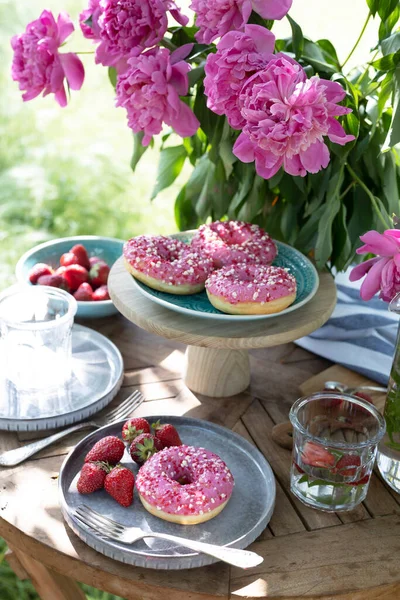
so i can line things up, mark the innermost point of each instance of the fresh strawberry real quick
(53, 281)
(60, 271)
(364, 396)
(68, 259)
(144, 446)
(84, 293)
(109, 449)
(119, 484)
(39, 270)
(167, 434)
(92, 477)
(361, 481)
(134, 427)
(317, 456)
(81, 254)
(101, 293)
(74, 275)
(347, 465)
(299, 469)
(93, 260)
(99, 274)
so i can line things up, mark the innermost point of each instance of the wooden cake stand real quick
(217, 359)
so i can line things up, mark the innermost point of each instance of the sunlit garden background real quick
(66, 171)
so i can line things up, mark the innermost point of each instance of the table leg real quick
(216, 372)
(49, 584)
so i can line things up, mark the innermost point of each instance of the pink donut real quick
(184, 484)
(166, 264)
(234, 242)
(251, 289)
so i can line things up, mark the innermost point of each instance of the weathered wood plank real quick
(260, 425)
(326, 562)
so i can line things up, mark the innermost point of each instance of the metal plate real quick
(98, 370)
(198, 305)
(238, 525)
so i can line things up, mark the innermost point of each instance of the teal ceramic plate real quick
(110, 249)
(198, 305)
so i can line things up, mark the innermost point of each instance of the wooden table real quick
(308, 554)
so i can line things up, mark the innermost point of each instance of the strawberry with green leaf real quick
(166, 434)
(143, 447)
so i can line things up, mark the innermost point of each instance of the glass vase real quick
(388, 458)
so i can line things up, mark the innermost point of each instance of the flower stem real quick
(90, 52)
(358, 39)
(370, 195)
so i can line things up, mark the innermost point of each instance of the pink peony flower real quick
(149, 90)
(239, 55)
(38, 66)
(383, 271)
(89, 21)
(216, 17)
(287, 116)
(127, 27)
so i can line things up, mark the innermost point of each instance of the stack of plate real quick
(97, 373)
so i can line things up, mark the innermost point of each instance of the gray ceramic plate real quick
(98, 370)
(238, 525)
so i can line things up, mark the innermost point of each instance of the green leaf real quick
(245, 175)
(313, 55)
(341, 241)
(386, 27)
(227, 157)
(329, 52)
(388, 62)
(389, 183)
(138, 149)
(112, 76)
(393, 135)
(195, 75)
(386, 7)
(209, 121)
(254, 201)
(391, 44)
(385, 91)
(373, 6)
(169, 166)
(185, 215)
(323, 247)
(297, 36)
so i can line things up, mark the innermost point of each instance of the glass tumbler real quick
(35, 338)
(335, 439)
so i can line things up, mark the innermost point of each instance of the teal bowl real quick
(110, 249)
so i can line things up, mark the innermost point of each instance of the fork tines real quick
(126, 407)
(94, 520)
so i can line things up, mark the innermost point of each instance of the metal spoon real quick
(344, 389)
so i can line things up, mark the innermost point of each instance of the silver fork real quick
(108, 528)
(125, 409)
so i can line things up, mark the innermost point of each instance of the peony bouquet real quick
(277, 131)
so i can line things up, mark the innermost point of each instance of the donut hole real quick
(183, 476)
(184, 480)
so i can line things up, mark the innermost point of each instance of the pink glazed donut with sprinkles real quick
(185, 485)
(166, 264)
(234, 242)
(251, 289)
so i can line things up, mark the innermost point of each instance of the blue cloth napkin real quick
(360, 335)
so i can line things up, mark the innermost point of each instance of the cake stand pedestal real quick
(217, 359)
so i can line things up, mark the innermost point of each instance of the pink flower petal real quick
(181, 53)
(294, 166)
(334, 91)
(315, 158)
(185, 122)
(61, 97)
(396, 259)
(272, 9)
(74, 71)
(337, 134)
(65, 27)
(361, 269)
(372, 283)
(244, 149)
(179, 78)
(263, 38)
(377, 243)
